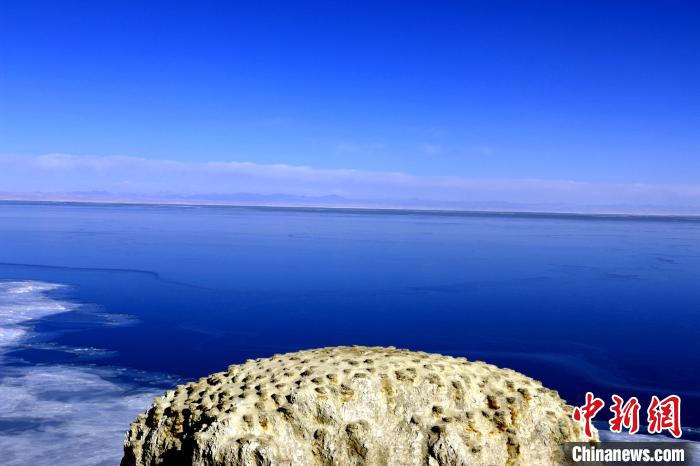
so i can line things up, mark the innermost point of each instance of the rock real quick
(355, 406)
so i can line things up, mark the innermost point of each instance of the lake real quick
(105, 305)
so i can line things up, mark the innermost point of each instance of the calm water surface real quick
(581, 303)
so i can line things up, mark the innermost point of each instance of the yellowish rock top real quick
(355, 406)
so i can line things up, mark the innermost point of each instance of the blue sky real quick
(586, 91)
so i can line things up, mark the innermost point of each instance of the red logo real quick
(665, 415)
(661, 415)
(626, 415)
(587, 412)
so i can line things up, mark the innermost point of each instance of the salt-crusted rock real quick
(355, 406)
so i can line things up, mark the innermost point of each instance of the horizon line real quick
(387, 210)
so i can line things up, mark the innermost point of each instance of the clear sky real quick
(589, 91)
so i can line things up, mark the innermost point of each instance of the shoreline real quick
(368, 210)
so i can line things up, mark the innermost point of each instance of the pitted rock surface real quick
(355, 406)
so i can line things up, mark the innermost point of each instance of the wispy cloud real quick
(358, 147)
(483, 150)
(432, 149)
(275, 121)
(120, 174)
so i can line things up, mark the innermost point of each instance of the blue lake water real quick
(580, 303)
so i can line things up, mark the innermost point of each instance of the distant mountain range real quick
(335, 201)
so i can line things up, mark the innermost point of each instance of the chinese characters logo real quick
(662, 415)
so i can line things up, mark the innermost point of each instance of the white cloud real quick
(431, 149)
(354, 147)
(60, 173)
(483, 150)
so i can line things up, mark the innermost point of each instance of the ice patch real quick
(694, 446)
(22, 301)
(55, 415)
